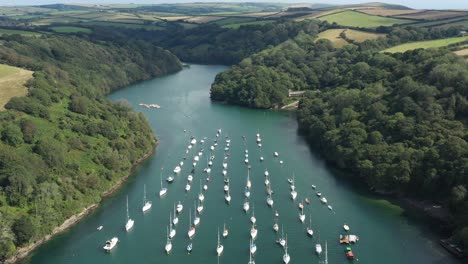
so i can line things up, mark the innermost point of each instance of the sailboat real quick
(253, 232)
(267, 181)
(270, 200)
(246, 205)
(201, 197)
(249, 184)
(286, 257)
(253, 247)
(130, 221)
(172, 231)
(219, 248)
(310, 232)
(200, 207)
(318, 247)
(247, 192)
(225, 231)
(146, 204)
(163, 190)
(168, 246)
(179, 207)
(176, 218)
(252, 218)
(302, 215)
(191, 231)
(189, 248)
(275, 226)
(282, 241)
(187, 187)
(226, 187)
(227, 197)
(196, 220)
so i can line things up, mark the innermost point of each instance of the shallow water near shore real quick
(385, 235)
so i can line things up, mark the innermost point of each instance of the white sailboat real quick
(246, 205)
(177, 169)
(146, 204)
(302, 215)
(275, 226)
(225, 165)
(293, 194)
(227, 197)
(191, 231)
(249, 183)
(323, 200)
(179, 207)
(188, 187)
(310, 232)
(282, 241)
(266, 173)
(270, 201)
(190, 178)
(275, 154)
(318, 247)
(130, 221)
(226, 187)
(205, 187)
(247, 192)
(225, 231)
(200, 207)
(201, 197)
(168, 246)
(286, 257)
(196, 219)
(253, 232)
(253, 247)
(220, 247)
(176, 218)
(172, 231)
(163, 190)
(267, 181)
(253, 219)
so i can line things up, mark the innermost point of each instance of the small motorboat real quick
(246, 206)
(276, 227)
(224, 172)
(276, 213)
(318, 248)
(330, 208)
(349, 253)
(253, 247)
(205, 187)
(301, 205)
(275, 154)
(208, 179)
(293, 194)
(187, 187)
(190, 178)
(266, 173)
(193, 141)
(346, 227)
(313, 186)
(261, 158)
(226, 188)
(170, 178)
(224, 165)
(246, 161)
(281, 162)
(253, 232)
(226, 180)
(110, 244)
(100, 228)
(323, 200)
(247, 192)
(307, 200)
(225, 231)
(319, 194)
(177, 169)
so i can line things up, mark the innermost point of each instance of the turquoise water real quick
(385, 235)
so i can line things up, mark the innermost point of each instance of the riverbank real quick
(23, 252)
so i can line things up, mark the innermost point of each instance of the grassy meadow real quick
(356, 19)
(12, 83)
(425, 44)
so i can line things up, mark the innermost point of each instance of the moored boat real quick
(110, 244)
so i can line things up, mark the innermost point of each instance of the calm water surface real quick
(385, 235)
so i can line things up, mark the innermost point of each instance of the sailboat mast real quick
(326, 253)
(128, 216)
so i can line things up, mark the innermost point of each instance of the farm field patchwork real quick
(334, 36)
(356, 19)
(389, 12)
(434, 15)
(71, 29)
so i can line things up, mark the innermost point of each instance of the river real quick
(386, 236)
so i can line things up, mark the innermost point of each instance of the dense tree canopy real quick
(64, 144)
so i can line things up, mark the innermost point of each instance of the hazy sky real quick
(427, 4)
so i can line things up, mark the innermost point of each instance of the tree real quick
(23, 229)
(12, 135)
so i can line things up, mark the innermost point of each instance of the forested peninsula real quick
(396, 122)
(65, 144)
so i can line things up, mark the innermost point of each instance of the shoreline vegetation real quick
(64, 146)
(25, 252)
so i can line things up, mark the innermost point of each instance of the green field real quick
(234, 20)
(19, 32)
(425, 44)
(71, 29)
(356, 19)
(133, 26)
